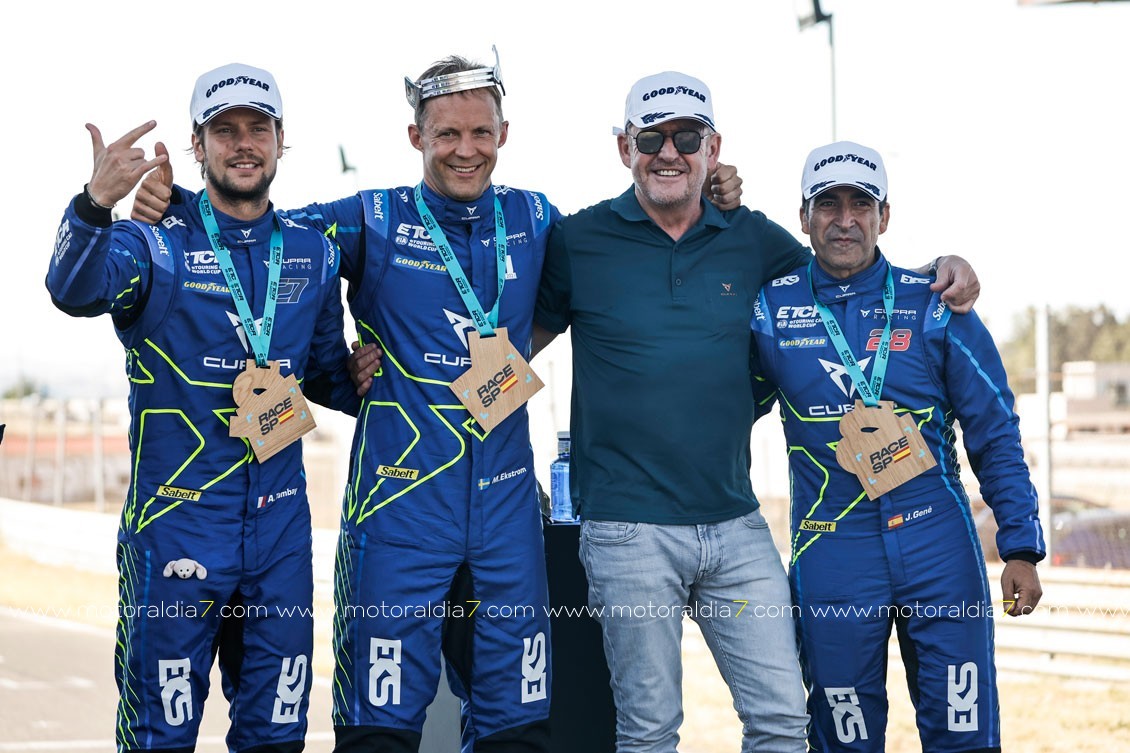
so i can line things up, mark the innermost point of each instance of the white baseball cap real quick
(668, 96)
(844, 163)
(235, 85)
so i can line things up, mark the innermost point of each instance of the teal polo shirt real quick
(662, 408)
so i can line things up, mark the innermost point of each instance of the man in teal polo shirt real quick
(657, 287)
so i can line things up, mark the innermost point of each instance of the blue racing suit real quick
(196, 493)
(911, 557)
(429, 491)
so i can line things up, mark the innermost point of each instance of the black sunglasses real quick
(650, 142)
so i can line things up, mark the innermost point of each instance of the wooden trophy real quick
(883, 450)
(499, 381)
(272, 412)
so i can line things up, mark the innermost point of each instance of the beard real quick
(226, 188)
(664, 196)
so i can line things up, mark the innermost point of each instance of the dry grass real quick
(54, 591)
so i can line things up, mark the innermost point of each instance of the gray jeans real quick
(728, 577)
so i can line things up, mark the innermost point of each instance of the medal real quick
(272, 412)
(499, 381)
(883, 450)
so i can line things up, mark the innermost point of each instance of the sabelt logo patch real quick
(174, 492)
(391, 471)
(818, 526)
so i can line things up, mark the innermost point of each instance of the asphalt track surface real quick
(57, 693)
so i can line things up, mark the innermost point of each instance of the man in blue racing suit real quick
(430, 492)
(214, 546)
(823, 335)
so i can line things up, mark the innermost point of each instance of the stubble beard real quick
(664, 197)
(224, 187)
(667, 199)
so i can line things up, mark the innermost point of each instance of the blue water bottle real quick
(561, 507)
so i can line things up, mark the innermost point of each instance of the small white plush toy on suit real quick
(185, 568)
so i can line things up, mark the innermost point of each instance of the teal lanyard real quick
(260, 342)
(484, 323)
(869, 392)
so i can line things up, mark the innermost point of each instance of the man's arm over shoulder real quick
(955, 280)
(345, 222)
(341, 220)
(345, 213)
(780, 251)
(158, 191)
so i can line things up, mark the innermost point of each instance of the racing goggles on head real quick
(651, 142)
(449, 83)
